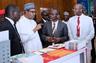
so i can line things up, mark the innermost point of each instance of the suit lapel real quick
(57, 30)
(58, 27)
(50, 28)
(9, 23)
(13, 28)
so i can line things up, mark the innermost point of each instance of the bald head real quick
(78, 9)
(79, 5)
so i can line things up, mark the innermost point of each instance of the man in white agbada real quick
(28, 29)
(81, 29)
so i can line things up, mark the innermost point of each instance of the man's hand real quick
(49, 39)
(37, 27)
(53, 39)
(57, 39)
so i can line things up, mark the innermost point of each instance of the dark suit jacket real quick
(40, 32)
(95, 28)
(61, 32)
(16, 46)
(41, 22)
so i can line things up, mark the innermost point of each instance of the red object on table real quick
(53, 55)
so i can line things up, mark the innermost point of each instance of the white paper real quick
(56, 46)
(45, 50)
(4, 35)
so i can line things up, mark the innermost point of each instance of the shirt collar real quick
(55, 22)
(80, 15)
(44, 20)
(10, 20)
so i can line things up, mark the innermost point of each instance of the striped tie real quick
(78, 27)
(53, 28)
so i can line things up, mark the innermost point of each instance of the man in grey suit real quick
(54, 31)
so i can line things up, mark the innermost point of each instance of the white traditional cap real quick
(28, 6)
(66, 13)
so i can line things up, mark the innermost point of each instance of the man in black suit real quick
(54, 31)
(12, 15)
(44, 19)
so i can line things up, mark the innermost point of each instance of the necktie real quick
(53, 28)
(18, 37)
(16, 31)
(78, 27)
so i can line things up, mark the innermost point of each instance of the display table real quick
(60, 55)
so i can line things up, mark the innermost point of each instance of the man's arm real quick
(91, 32)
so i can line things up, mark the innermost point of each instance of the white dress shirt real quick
(86, 29)
(30, 39)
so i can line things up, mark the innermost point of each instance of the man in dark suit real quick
(12, 15)
(54, 31)
(44, 19)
